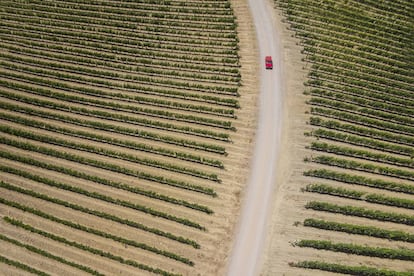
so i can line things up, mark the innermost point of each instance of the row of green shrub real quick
(362, 154)
(212, 43)
(370, 112)
(108, 166)
(107, 59)
(97, 213)
(361, 166)
(219, 7)
(96, 195)
(113, 128)
(225, 16)
(392, 201)
(133, 41)
(354, 194)
(347, 269)
(49, 255)
(102, 78)
(107, 105)
(361, 180)
(378, 101)
(87, 230)
(109, 153)
(349, 248)
(22, 266)
(364, 142)
(349, 210)
(110, 115)
(360, 230)
(99, 180)
(87, 248)
(114, 20)
(343, 18)
(379, 97)
(113, 141)
(164, 53)
(362, 120)
(335, 191)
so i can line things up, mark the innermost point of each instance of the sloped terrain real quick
(122, 142)
(345, 204)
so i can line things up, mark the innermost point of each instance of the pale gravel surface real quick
(248, 246)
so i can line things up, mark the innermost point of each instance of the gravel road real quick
(246, 258)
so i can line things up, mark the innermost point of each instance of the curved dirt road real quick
(247, 250)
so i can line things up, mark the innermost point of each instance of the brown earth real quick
(288, 206)
(215, 243)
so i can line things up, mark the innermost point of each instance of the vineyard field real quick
(344, 204)
(128, 131)
(125, 131)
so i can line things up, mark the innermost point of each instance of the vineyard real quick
(355, 184)
(120, 147)
(126, 129)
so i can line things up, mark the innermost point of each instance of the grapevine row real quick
(361, 180)
(113, 141)
(105, 198)
(108, 166)
(346, 269)
(102, 94)
(360, 230)
(365, 132)
(110, 116)
(127, 53)
(364, 121)
(99, 180)
(96, 232)
(354, 194)
(362, 154)
(22, 266)
(360, 166)
(349, 248)
(113, 71)
(109, 153)
(114, 128)
(361, 212)
(86, 248)
(49, 255)
(99, 214)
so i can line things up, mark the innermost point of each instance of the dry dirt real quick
(215, 243)
(288, 204)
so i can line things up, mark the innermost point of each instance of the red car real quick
(269, 62)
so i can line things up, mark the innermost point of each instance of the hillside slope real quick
(346, 180)
(125, 131)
